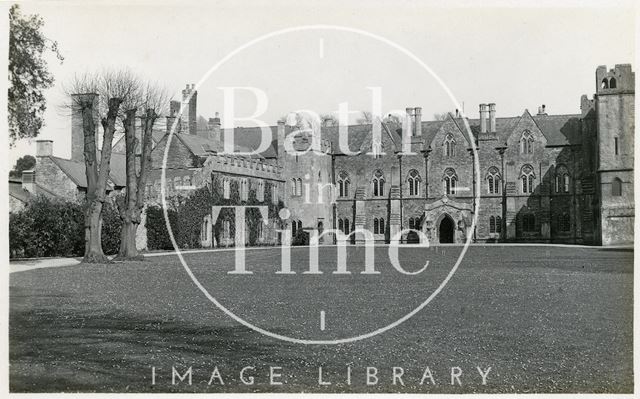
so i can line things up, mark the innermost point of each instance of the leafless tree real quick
(365, 118)
(328, 120)
(148, 104)
(99, 96)
(440, 116)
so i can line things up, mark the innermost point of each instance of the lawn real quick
(545, 319)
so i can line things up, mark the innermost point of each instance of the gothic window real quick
(343, 184)
(526, 143)
(378, 184)
(226, 188)
(616, 149)
(293, 187)
(493, 180)
(260, 191)
(274, 194)
(605, 84)
(562, 179)
(450, 180)
(529, 222)
(612, 83)
(498, 224)
(527, 176)
(244, 190)
(449, 146)
(204, 236)
(492, 224)
(565, 222)
(413, 181)
(378, 226)
(341, 225)
(616, 187)
(226, 229)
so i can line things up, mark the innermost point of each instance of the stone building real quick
(541, 177)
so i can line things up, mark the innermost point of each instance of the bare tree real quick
(365, 118)
(99, 95)
(328, 120)
(393, 119)
(152, 100)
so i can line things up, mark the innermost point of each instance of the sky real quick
(514, 57)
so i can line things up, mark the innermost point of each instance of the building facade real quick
(541, 178)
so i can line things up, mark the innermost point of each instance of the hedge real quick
(47, 228)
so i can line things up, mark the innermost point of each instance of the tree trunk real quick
(93, 234)
(131, 206)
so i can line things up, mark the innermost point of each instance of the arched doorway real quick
(446, 230)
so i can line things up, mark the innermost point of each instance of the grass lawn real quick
(545, 319)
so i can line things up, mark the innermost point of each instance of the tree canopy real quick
(29, 75)
(23, 163)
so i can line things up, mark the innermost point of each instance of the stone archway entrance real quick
(446, 230)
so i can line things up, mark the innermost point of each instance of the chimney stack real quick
(44, 148)
(406, 126)
(542, 110)
(457, 113)
(417, 130)
(190, 103)
(281, 136)
(483, 118)
(492, 118)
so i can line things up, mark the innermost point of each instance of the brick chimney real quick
(483, 118)
(417, 129)
(78, 102)
(406, 126)
(44, 148)
(542, 110)
(492, 117)
(281, 136)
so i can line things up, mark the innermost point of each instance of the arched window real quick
(226, 188)
(493, 180)
(274, 193)
(529, 222)
(616, 187)
(204, 235)
(527, 176)
(450, 180)
(604, 84)
(244, 190)
(375, 226)
(449, 145)
(298, 186)
(378, 184)
(226, 229)
(612, 83)
(378, 226)
(346, 230)
(526, 143)
(341, 225)
(562, 179)
(565, 222)
(343, 184)
(492, 224)
(293, 187)
(413, 181)
(381, 226)
(498, 224)
(294, 228)
(299, 225)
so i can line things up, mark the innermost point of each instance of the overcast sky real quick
(515, 57)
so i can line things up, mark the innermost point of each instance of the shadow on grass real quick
(105, 352)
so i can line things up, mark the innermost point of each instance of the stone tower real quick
(190, 107)
(614, 103)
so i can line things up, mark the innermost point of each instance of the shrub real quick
(301, 238)
(46, 228)
(157, 235)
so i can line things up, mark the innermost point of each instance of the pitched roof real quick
(16, 191)
(560, 129)
(76, 170)
(250, 138)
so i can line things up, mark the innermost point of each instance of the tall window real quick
(562, 179)
(413, 181)
(260, 190)
(615, 145)
(450, 180)
(565, 222)
(493, 180)
(526, 143)
(343, 225)
(378, 226)
(186, 181)
(492, 224)
(298, 186)
(527, 176)
(226, 229)
(616, 187)
(343, 184)
(226, 187)
(274, 193)
(244, 190)
(529, 222)
(293, 187)
(612, 83)
(296, 226)
(414, 223)
(498, 224)
(378, 184)
(449, 145)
